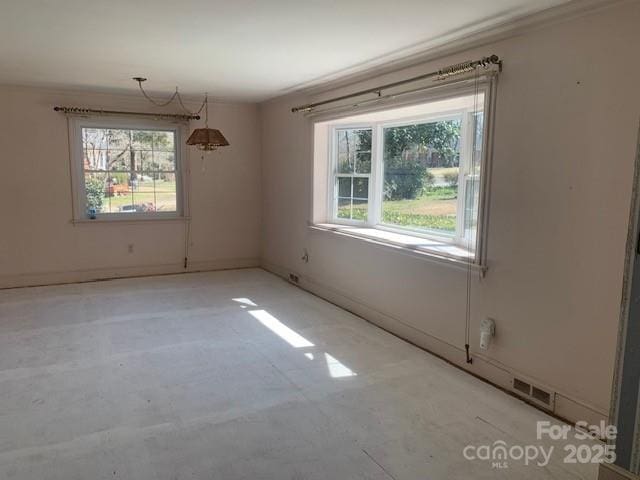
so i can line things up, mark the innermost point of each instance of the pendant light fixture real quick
(205, 139)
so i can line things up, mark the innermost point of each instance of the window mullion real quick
(377, 169)
(463, 175)
(333, 170)
(370, 186)
(352, 178)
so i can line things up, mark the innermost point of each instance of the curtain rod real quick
(345, 107)
(81, 111)
(441, 74)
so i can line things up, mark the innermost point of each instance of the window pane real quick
(95, 186)
(344, 186)
(472, 181)
(144, 196)
(363, 162)
(353, 158)
(142, 139)
(119, 160)
(144, 180)
(119, 140)
(165, 190)
(142, 160)
(359, 210)
(163, 142)
(344, 208)
(141, 169)
(95, 159)
(363, 140)
(421, 163)
(345, 163)
(351, 144)
(472, 195)
(361, 188)
(93, 138)
(164, 161)
(353, 193)
(144, 202)
(118, 191)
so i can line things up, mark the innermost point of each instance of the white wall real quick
(567, 116)
(39, 244)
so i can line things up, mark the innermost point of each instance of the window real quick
(409, 173)
(353, 172)
(126, 170)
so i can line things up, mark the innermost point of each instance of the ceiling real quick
(239, 49)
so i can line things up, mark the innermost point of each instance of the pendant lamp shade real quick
(207, 139)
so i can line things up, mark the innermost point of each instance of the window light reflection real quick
(338, 369)
(280, 329)
(245, 301)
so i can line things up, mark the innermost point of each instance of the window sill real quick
(123, 220)
(429, 249)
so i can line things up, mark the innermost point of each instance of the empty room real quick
(319, 240)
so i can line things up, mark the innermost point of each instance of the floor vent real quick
(534, 394)
(541, 395)
(522, 387)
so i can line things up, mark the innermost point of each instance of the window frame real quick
(79, 193)
(333, 175)
(460, 237)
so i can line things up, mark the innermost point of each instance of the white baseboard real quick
(223, 264)
(500, 375)
(78, 276)
(613, 472)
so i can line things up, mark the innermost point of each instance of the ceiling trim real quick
(97, 95)
(454, 42)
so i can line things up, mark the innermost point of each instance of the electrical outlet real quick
(130, 248)
(293, 278)
(487, 332)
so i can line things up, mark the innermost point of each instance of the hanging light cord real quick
(205, 105)
(176, 96)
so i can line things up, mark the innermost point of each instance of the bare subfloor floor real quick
(235, 375)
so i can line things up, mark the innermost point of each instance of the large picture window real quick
(415, 171)
(127, 170)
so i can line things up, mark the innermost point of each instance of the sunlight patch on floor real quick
(276, 326)
(338, 369)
